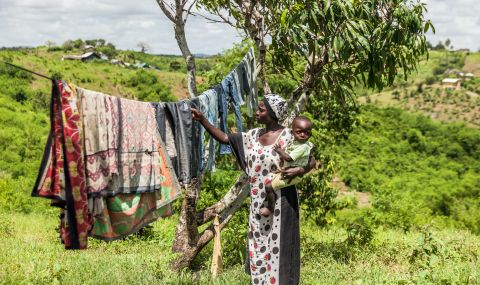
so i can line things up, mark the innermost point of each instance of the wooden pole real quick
(217, 264)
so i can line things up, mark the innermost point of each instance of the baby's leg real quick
(271, 198)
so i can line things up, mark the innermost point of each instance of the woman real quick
(273, 241)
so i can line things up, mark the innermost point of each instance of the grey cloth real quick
(244, 86)
(164, 125)
(233, 97)
(160, 117)
(222, 115)
(196, 153)
(186, 134)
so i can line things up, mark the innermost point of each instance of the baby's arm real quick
(281, 152)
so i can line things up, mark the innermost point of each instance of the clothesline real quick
(27, 70)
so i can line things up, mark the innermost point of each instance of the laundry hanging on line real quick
(238, 87)
(114, 165)
(112, 179)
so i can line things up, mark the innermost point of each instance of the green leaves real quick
(428, 25)
(283, 18)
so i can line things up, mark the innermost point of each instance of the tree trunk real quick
(186, 234)
(189, 59)
(228, 206)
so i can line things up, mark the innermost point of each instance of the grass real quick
(30, 253)
(472, 63)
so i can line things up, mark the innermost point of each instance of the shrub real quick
(318, 197)
(438, 70)
(20, 95)
(360, 233)
(175, 66)
(430, 80)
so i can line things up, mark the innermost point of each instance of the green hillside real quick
(421, 177)
(423, 91)
(420, 172)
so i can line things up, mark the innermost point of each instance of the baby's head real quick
(301, 129)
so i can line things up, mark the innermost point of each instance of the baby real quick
(296, 153)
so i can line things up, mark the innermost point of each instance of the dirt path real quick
(363, 198)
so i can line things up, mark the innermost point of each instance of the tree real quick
(67, 45)
(447, 44)
(78, 43)
(101, 42)
(439, 46)
(50, 44)
(91, 42)
(144, 47)
(326, 47)
(109, 50)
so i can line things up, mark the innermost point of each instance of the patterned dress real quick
(273, 241)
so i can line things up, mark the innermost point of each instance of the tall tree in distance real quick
(144, 47)
(326, 47)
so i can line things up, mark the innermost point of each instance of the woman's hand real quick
(212, 130)
(196, 114)
(292, 172)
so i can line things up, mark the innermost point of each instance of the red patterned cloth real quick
(62, 176)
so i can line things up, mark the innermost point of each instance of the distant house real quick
(141, 65)
(84, 57)
(452, 83)
(103, 56)
(451, 71)
(119, 62)
(468, 76)
(88, 48)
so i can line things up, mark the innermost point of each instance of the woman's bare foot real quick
(265, 212)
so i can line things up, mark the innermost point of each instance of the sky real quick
(125, 23)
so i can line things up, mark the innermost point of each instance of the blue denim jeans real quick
(208, 102)
(222, 116)
(233, 96)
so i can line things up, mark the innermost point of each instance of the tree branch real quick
(228, 200)
(165, 10)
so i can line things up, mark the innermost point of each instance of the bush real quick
(360, 233)
(430, 80)
(15, 197)
(438, 70)
(175, 66)
(150, 89)
(214, 186)
(317, 196)
(20, 95)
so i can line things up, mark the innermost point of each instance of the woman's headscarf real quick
(276, 106)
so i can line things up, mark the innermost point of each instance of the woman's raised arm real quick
(214, 132)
